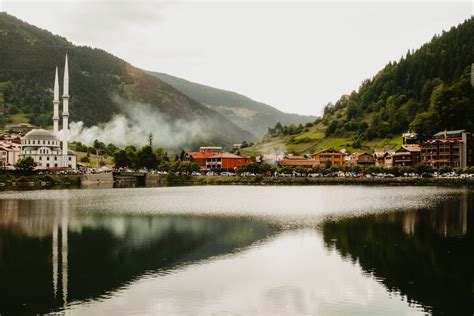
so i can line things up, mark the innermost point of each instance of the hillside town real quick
(49, 150)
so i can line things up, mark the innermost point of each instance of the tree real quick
(26, 164)
(424, 124)
(161, 155)
(121, 159)
(146, 158)
(331, 128)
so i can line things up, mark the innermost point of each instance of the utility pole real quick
(150, 138)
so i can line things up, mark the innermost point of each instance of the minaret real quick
(56, 105)
(65, 113)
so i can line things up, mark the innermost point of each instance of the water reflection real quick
(52, 255)
(425, 255)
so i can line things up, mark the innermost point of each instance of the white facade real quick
(45, 147)
(9, 154)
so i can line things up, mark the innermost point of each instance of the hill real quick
(102, 87)
(249, 114)
(426, 91)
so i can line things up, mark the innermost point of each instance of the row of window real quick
(55, 158)
(40, 142)
(56, 165)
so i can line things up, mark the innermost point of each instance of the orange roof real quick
(298, 162)
(329, 151)
(200, 155)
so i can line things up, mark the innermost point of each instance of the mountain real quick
(101, 85)
(250, 115)
(426, 91)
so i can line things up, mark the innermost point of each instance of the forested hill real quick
(29, 55)
(427, 90)
(249, 114)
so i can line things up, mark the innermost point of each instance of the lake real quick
(319, 250)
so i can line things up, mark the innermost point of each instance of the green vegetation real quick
(26, 164)
(246, 113)
(426, 91)
(29, 55)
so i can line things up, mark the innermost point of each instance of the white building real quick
(9, 153)
(50, 149)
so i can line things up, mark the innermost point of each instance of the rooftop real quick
(40, 134)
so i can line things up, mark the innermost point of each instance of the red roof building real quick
(448, 149)
(226, 161)
(407, 155)
(199, 158)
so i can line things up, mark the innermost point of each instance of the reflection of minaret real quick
(64, 250)
(409, 221)
(55, 253)
(463, 216)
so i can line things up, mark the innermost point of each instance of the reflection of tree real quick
(104, 253)
(432, 265)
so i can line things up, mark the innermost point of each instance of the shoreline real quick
(207, 180)
(35, 182)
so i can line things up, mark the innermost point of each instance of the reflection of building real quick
(448, 148)
(45, 221)
(448, 219)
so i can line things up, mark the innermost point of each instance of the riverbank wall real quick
(209, 180)
(97, 177)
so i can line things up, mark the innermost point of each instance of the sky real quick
(294, 55)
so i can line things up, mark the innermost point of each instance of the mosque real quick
(50, 149)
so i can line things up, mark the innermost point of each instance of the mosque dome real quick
(40, 134)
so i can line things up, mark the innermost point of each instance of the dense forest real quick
(427, 90)
(29, 55)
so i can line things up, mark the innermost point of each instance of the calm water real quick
(324, 250)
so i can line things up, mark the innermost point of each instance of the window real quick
(69, 158)
(55, 158)
(47, 165)
(47, 158)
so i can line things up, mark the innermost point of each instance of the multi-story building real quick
(199, 157)
(9, 153)
(448, 149)
(361, 159)
(226, 161)
(406, 156)
(334, 156)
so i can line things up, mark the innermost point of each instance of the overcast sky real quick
(296, 56)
